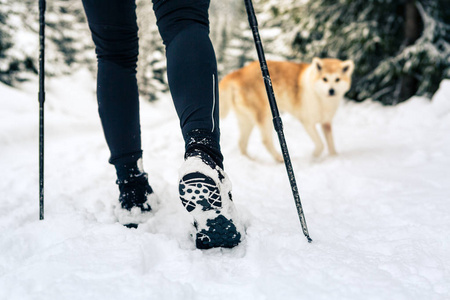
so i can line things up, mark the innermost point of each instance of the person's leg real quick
(115, 35)
(192, 72)
(205, 190)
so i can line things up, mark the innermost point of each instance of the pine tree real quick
(152, 71)
(235, 47)
(390, 67)
(68, 43)
(5, 43)
(68, 37)
(231, 35)
(15, 42)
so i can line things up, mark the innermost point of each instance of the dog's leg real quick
(328, 132)
(312, 131)
(266, 128)
(245, 126)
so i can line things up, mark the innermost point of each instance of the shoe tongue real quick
(128, 170)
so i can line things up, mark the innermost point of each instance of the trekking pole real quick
(276, 115)
(41, 105)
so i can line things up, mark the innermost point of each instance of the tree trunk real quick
(412, 31)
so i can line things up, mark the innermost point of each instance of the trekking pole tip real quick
(309, 239)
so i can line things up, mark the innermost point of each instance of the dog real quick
(311, 92)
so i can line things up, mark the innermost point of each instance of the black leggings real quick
(191, 70)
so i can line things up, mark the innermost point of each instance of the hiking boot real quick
(205, 192)
(134, 201)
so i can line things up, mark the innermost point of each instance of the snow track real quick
(379, 212)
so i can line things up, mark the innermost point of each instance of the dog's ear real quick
(317, 63)
(347, 67)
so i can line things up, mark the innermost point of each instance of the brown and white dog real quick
(310, 92)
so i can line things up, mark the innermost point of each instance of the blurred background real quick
(401, 48)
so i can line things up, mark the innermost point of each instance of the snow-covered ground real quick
(379, 212)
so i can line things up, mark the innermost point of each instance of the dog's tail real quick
(227, 90)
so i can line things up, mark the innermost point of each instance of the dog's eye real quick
(324, 79)
(337, 79)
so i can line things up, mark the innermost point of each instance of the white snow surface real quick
(378, 213)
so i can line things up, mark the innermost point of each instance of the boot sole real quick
(201, 197)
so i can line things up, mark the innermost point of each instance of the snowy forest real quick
(400, 48)
(378, 211)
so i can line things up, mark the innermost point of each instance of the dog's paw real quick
(317, 152)
(279, 158)
(333, 153)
